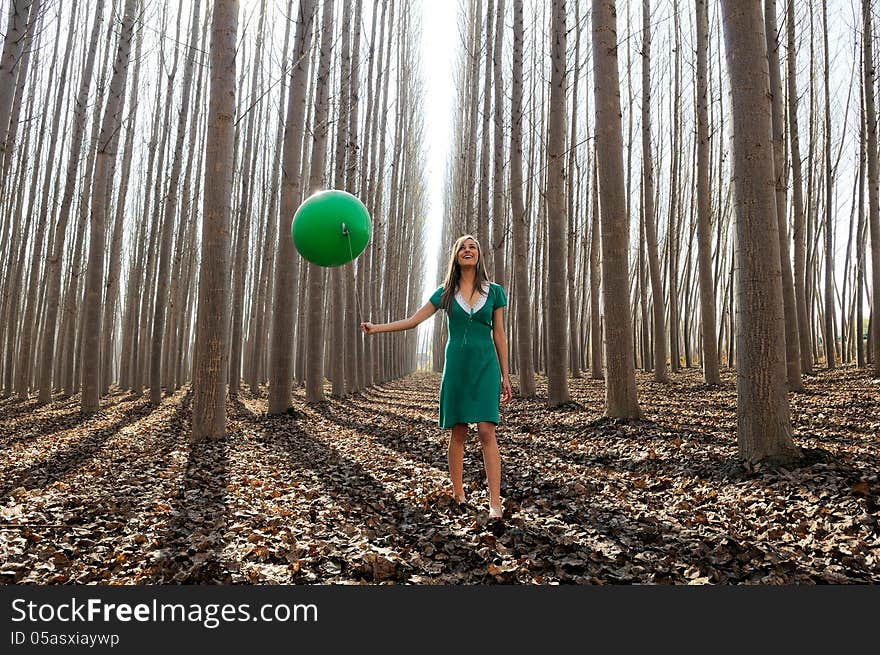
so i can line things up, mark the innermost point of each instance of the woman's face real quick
(468, 254)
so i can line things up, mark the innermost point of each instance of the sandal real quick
(496, 512)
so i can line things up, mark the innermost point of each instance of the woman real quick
(475, 373)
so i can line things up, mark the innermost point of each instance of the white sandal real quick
(496, 512)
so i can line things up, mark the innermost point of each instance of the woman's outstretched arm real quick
(426, 311)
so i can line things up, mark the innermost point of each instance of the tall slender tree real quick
(763, 424)
(792, 340)
(286, 261)
(660, 370)
(557, 305)
(704, 208)
(314, 316)
(101, 187)
(868, 70)
(829, 341)
(797, 196)
(160, 307)
(519, 220)
(621, 397)
(212, 326)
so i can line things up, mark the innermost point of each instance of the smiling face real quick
(468, 253)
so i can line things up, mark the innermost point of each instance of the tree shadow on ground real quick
(34, 428)
(412, 437)
(69, 457)
(192, 542)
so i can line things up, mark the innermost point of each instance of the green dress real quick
(471, 386)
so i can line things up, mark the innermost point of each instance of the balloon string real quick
(357, 298)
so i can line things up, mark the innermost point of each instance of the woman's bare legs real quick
(492, 463)
(455, 456)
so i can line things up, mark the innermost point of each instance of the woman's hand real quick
(369, 328)
(506, 392)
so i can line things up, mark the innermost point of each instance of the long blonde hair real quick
(453, 272)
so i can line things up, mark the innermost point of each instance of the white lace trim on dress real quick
(477, 306)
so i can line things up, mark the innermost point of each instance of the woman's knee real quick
(459, 433)
(486, 431)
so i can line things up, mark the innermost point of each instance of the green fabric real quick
(471, 386)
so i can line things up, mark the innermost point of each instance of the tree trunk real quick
(660, 370)
(873, 196)
(338, 323)
(792, 346)
(287, 262)
(763, 427)
(704, 218)
(596, 354)
(482, 222)
(620, 384)
(499, 213)
(314, 315)
(557, 242)
(526, 366)
(13, 46)
(572, 185)
(101, 187)
(798, 235)
(162, 297)
(212, 326)
(673, 239)
(829, 221)
(355, 363)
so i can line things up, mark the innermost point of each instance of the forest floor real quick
(355, 491)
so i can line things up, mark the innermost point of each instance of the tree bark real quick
(314, 315)
(829, 221)
(657, 303)
(212, 326)
(873, 195)
(526, 368)
(287, 262)
(161, 305)
(704, 209)
(620, 384)
(104, 169)
(763, 426)
(557, 305)
(798, 230)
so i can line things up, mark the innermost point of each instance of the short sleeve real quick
(500, 296)
(435, 297)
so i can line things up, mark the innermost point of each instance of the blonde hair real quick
(453, 272)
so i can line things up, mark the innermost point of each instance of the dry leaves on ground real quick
(355, 491)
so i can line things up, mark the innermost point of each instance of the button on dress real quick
(471, 386)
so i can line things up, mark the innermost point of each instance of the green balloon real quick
(331, 228)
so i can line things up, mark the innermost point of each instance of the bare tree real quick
(103, 177)
(13, 46)
(499, 215)
(792, 342)
(660, 371)
(596, 355)
(798, 228)
(704, 211)
(519, 219)
(763, 425)
(873, 196)
(829, 221)
(286, 264)
(314, 315)
(620, 383)
(212, 327)
(171, 196)
(557, 326)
